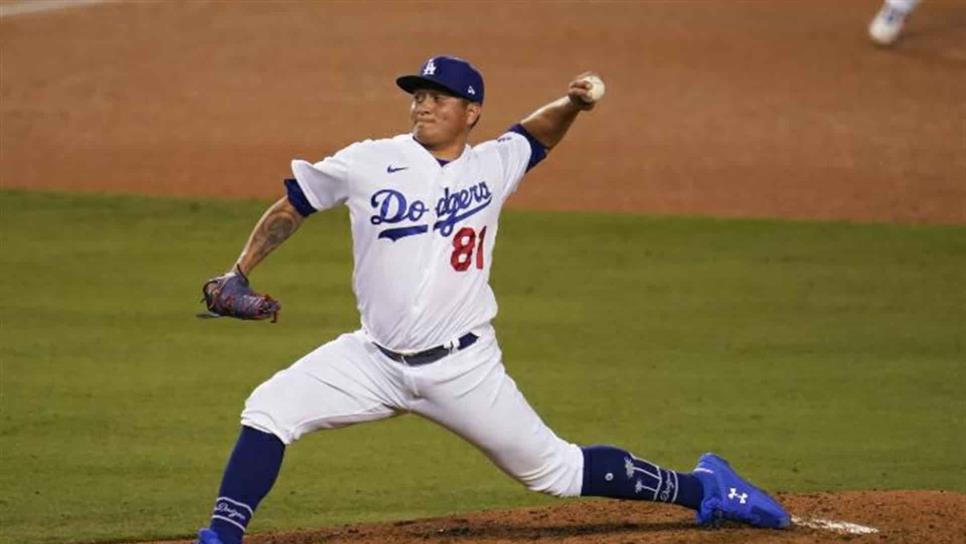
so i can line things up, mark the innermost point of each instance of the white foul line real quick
(37, 6)
(843, 527)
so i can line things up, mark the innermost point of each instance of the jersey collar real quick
(427, 156)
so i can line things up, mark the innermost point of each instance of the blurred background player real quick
(887, 24)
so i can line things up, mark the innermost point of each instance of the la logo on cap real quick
(430, 68)
(471, 90)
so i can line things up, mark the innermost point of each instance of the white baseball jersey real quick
(423, 236)
(423, 233)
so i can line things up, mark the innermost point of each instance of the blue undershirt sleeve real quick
(537, 151)
(297, 198)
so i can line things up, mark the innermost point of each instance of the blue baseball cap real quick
(450, 74)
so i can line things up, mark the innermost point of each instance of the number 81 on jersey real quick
(465, 242)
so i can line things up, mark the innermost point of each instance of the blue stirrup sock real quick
(615, 473)
(252, 469)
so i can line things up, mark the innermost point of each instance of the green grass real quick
(817, 356)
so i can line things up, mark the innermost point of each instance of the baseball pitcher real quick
(424, 209)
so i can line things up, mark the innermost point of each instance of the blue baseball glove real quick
(229, 295)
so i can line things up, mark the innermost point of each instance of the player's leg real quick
(888, 22)
(903, 5)
(713, 489)
(331, 387)
(475, 398)
(479, 401)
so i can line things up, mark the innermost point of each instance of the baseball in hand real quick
(596, 91)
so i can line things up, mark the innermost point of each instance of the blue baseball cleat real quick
(207, 536)
(728, 496)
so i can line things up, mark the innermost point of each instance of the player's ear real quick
(473, 111)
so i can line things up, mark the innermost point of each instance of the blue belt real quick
(431, 355)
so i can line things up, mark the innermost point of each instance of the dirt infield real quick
(778, 109)
(912, 517)
(757, 109)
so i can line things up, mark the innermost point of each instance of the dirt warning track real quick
(775, 109)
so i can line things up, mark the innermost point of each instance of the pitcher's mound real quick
(858, 516)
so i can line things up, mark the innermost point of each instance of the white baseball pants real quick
(350, 381)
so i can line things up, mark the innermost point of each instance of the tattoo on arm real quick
(275, 229)
(275, 226)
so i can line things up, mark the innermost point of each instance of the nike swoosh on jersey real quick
(391, 170)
